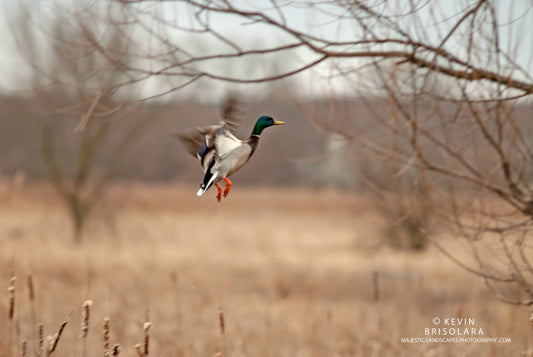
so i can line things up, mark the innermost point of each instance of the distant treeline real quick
(290, 154)
(338, 142)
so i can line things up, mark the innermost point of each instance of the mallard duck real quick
(220, 153)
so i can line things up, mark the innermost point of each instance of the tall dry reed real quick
(106, 336)
(85, 320)
(11, 296)
(222, 326)
(54, 340)
(40, 338)
(11, 309)
(23, 351)
(143, 349)
(116, 350)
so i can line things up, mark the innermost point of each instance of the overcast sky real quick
(516, 39)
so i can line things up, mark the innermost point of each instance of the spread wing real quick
(225, 142)
(198, 141)
(230, 113)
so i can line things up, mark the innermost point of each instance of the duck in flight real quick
(220, 153)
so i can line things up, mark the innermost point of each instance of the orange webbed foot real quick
(219, 194)
(228, 186)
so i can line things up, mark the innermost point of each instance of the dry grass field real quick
(295, 273)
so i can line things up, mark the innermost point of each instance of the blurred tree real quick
(75, 87)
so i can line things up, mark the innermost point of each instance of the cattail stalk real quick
(40, 336)
(53, 341)
(85, 318)
(105, 334)
(116, 350)
(31, 297)
(146, 346)
(222, 326)
(11, 296)
(23, 349)
(11, 309)
(143, 349)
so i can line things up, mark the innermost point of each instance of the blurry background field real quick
(303, 274)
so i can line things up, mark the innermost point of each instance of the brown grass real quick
(297, 272)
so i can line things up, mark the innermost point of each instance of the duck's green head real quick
(264, 122)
